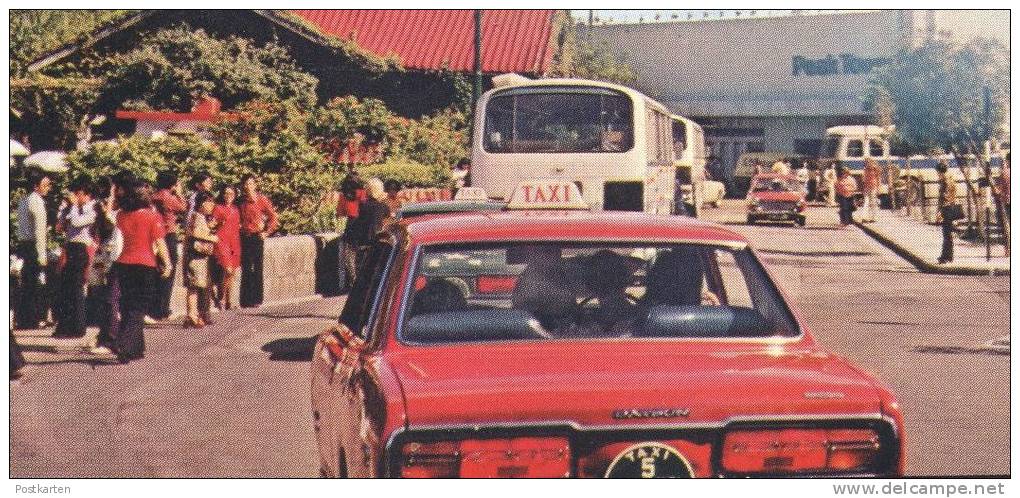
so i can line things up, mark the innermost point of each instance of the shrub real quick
(409, 173)
(439, 139)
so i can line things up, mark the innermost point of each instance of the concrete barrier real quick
(295, 266)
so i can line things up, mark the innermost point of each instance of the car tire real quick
(341, 464)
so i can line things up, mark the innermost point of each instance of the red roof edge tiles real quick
(512, 40)
(207, 109)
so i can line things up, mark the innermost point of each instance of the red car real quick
(776, 197)
(584, 344)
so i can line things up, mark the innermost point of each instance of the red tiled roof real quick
(512, 40)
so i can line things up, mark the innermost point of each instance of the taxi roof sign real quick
(471, 194)
(547, 194)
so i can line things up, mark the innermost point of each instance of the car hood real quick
(586, 383)
(778, 196)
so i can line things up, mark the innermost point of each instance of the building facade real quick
(776, 83)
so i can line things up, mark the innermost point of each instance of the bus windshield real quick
(574, 120)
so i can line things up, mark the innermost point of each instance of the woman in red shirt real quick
(136, 268)
(228, 249)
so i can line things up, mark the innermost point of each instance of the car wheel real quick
(341, 464)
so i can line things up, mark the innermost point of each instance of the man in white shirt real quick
(32, 250)
(803, 176)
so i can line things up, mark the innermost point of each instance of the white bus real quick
(689, 149)
(615, 143)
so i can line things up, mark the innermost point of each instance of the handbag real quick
(952, 212)
(203, 248)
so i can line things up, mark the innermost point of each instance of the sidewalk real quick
(921, 243)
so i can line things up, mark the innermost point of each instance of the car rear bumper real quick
(777, 216)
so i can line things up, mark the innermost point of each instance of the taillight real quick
(791, 451)
(496, 284)
(518, 457)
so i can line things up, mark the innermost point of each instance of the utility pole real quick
(478, 55)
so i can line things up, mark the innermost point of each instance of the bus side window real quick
(875, 148)
(854, 148)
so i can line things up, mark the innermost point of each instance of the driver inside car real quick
(545, 289)
(607, 277)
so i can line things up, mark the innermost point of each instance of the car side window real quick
(732, 280)
(358, 308)
(855, 148)
(875, 148)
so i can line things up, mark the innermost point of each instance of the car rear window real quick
(562, 291)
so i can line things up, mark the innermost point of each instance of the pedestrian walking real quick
(258, 221)
(462, 173)
(803, 176)
(227, 259)
(871, 181)
(104, 294)
(949, 210)
(1002, 188)
(75, 219)
(846, 187)
(812, 183)
(393, 201)
(352, 194)
(359, 232)
(143, 259)
(829, 178)
(170, 204)
(32, 250)
(200, 245)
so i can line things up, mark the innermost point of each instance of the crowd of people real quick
(124, 240)
(118, 262)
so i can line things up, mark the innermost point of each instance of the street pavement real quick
(233, 399)
(940, 342)
(921, 244)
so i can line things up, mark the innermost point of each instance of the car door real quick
(337, 396)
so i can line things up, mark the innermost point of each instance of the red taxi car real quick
(776, 197)
(584, 344)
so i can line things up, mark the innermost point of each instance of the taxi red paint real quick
(775, 197)
(387, 403)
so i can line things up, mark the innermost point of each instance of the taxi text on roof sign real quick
(547, 194)
(471, 194)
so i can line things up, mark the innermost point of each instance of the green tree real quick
(174, 67)
(36, 32)
(934, 94)
(580, 56)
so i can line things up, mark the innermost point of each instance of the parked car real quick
(776, 197)
(601, 344)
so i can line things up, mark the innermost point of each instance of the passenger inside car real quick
(545, 289)
(438, 296)
(676, 279)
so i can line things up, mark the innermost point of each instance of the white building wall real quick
(790, 77)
